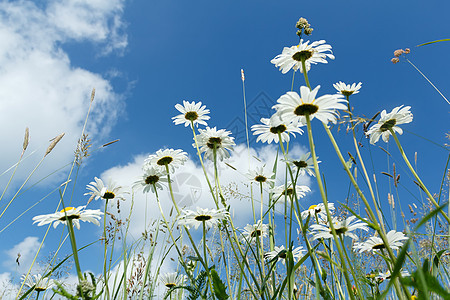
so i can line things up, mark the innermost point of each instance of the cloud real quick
(41, 89)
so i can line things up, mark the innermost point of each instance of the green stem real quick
(74, 248)
(305, 73)
(424, 188)
(105, 275)
(325, 202)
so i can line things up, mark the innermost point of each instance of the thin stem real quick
(325, 201)
(428, 80)
(105, 251)
(421, 184)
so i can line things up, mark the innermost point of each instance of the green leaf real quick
(218, 286)
(437, 41)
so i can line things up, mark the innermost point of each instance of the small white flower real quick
(344, 228)
(347, 89)
(303, 165)
(291, 57)
(270, 128)
(210, 217)
(294, 107)
(255, 232)
(318, 209)
(75, 214)
(167, 157)
(170, 280)
(399, 115)
(297, 253)
(99, 190)
(191, 112)
(258, 175)
(280, 193)
(220, 140)
(151, 179)
(40, 284)
(395, 241)
(383, 276)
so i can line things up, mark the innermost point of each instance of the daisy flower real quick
(260, 176)
(399, 115)
(75, 214)
(167, 157)
(395, 241)
(151, 180)
(170, 280)
(281, 192)
(211, 138)
(99, 190)
(347, 89)
(294, 107)
(40, 284)
(191, 112)
(210, 217)
(253, 232)
(297, 253)
(270, 128)
(291, 57)
(344, 228)
(318, 209)
(383, 276)
(303, 165)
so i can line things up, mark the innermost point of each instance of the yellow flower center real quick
(67, 209)
(312, 207)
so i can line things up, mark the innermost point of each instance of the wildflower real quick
(394, 240)
(191, 113)
(209, 217)
(388, 122)
(303, 165)
(293, 108)
(383, 276)
(39, 283)
(344, 228)
(171, 280)
(297, 253)
(252, 233)
(395, 60)
(167, 157)
(319, 210)
(291, 57)
(398, 52)
(260, 176)
(74, 214)
(151, 180)
(280, 192)
(347, 89)
(211, 138)
(302, 23)
(271, 129)
(99, 190)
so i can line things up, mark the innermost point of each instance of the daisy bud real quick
(407, 50)
(398, 52)
(395, 60)
(302, 23)
(308, 31)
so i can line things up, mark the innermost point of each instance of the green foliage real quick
(218, 286)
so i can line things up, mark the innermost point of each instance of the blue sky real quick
(143, 57)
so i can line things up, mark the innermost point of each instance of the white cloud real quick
(39, 86)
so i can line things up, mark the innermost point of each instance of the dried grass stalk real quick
(26, 139)
(53, 143)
